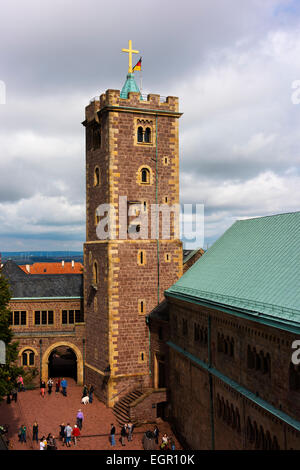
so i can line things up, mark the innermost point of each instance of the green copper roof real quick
(130, 85)
(254, 267)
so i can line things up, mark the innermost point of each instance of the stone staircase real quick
(121, 408)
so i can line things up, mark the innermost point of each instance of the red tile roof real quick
(53, 268)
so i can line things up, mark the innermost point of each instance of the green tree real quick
(9, 371)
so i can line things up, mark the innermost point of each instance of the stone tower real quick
(132, 163)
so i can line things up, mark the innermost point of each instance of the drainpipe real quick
(156, 200)
(211, 402)
(83, 360)
(41, 352)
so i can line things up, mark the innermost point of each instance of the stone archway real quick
(45, 360)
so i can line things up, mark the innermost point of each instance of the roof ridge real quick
(266, 216)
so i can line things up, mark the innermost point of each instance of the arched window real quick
(275, 445)
(238, 420)
(231, 347)
(268, 441)
(147, 135)
(294, 377)
(96, 176)
(250, 358)
(250, 431)
(145, 176)
(140, 134)
(95, 273)
(141, 257)
(28, 358)
(257, 361)
(219, 406)
(267, 365)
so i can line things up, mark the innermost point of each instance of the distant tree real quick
(9, 371)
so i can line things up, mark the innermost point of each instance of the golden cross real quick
(130, 52)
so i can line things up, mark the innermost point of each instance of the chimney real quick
(73, 264)
(28, 267)
(63, 263)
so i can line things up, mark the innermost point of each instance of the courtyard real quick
(55, 409)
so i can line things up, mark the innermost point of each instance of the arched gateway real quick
(74, 349)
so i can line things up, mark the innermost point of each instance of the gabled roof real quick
(254, 267)
(24, 286)
(53, 268)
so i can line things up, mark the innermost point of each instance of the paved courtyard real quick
(54, 409)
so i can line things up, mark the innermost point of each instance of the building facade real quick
(233, 323)
(46, 316)
(132, 163)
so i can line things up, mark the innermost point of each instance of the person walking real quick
(62, 433)
(123, 434)
(164, 442)
(79, 419)
(91, 391)
(8, 398)
(130, 431)
(20, 383)
(35, 431)
(43, 387)
(68, 435)
(156, 434)
(75, 434)
(14, 394)
(64, 385)
(23, 433)
(50, 385)
(112, 435)
(84, 391)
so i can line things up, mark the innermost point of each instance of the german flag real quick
(138, 65)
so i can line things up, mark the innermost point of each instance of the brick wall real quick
(127, 290)
(190, 388)
(41, 339)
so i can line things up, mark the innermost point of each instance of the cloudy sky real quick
(232, 63)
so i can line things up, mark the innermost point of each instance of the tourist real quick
(20, 383)
(8, 398)
(123, 434)
(14, 394)
(75, 434)
(50, 385)
(156, 434)
(112, 435)
(43, 387)
(164, 442)
(35, 431)
(64, 385)
(51, 444)
(79, 419)
(130, 431)
(42, 443)
(84, 391)
(62, 433)
(172, 443)
(91, 391)
(57, 386)
(68, 435)
(22, 433)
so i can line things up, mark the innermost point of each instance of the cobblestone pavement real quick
(54, 409)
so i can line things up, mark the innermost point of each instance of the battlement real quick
(135, 100)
